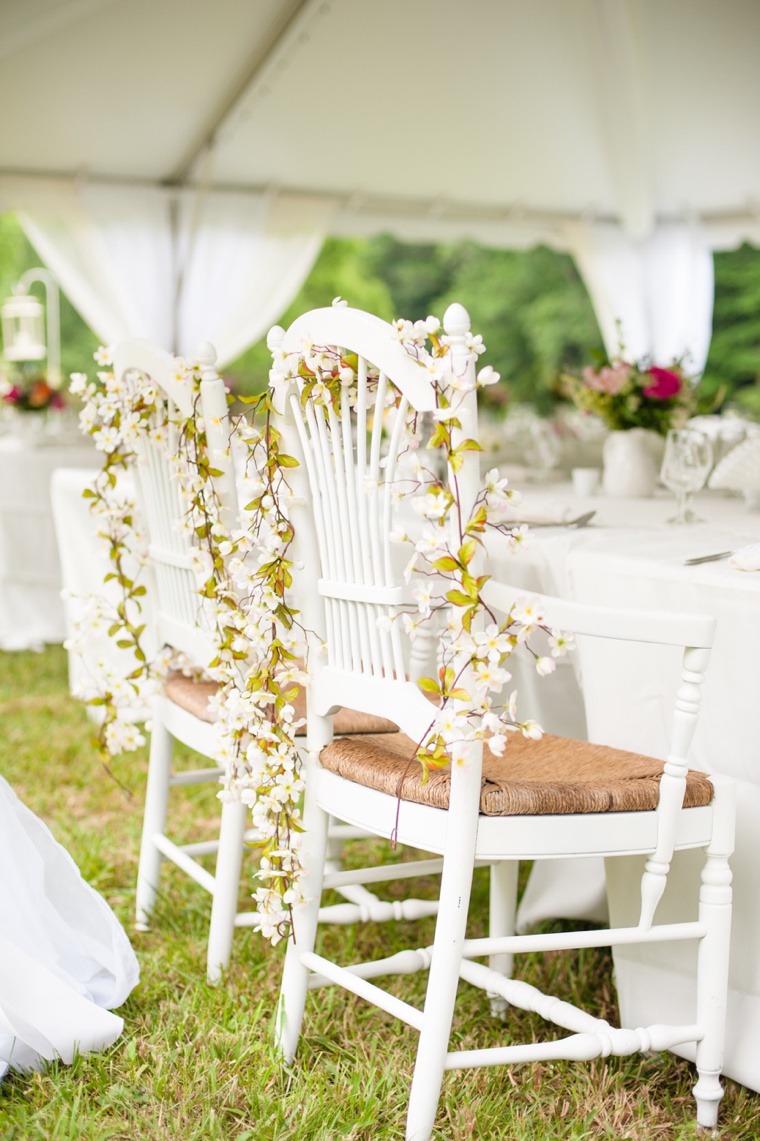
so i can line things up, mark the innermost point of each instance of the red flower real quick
(666, 384)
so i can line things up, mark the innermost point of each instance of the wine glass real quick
(685, 467)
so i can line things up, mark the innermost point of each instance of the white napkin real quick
(552, 512)
(746, 558)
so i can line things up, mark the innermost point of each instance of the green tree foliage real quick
(734, 359)
(534, 315)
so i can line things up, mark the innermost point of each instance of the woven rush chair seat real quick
(194, 695)
(552, 776)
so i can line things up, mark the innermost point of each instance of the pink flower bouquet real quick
(639, 395)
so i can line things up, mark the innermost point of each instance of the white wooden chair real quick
(543, 799)
(181, 712)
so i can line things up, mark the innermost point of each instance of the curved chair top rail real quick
(367, 335)
(160, 366)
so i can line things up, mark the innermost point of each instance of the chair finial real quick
(205, 354)
(275, 337)
(456, 320)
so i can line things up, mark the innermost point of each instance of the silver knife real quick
(707, 558)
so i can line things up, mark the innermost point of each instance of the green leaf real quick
(439, 436)
(477, 520)
(470, 587)
(458, 598)
(445, 563)
(284, 460)
(467, 551)
(429, 685)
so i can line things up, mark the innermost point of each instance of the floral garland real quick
(244, 576)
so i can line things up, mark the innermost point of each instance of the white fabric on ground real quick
(65, 960)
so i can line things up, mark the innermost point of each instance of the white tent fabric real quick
(619, 129)
(172, 267)
(653, 295)
(247, 257)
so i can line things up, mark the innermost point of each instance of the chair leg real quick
(295, 976)
(502, 911)
(712, 972)
(154, 821)
(229, 862)
(456, 884)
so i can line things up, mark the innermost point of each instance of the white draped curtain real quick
(173, 267)
(654, 292)
(181, 266)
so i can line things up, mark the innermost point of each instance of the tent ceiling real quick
(635, 109)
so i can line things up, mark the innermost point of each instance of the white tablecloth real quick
(631, 557)
(31, 612)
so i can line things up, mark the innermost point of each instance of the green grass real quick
(196, 1062)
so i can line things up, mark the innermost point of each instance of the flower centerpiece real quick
(633, 395)
(29, 390)
(640, 402)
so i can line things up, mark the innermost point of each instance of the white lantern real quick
(23, 328)
(24, 324)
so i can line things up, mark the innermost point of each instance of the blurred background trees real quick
(530, 306)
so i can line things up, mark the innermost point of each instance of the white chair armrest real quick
(657, 626)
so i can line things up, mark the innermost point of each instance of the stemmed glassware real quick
(685, 467)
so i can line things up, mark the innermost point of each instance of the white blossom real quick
(488, 375)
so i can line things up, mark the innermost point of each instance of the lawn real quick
(196, 1062)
